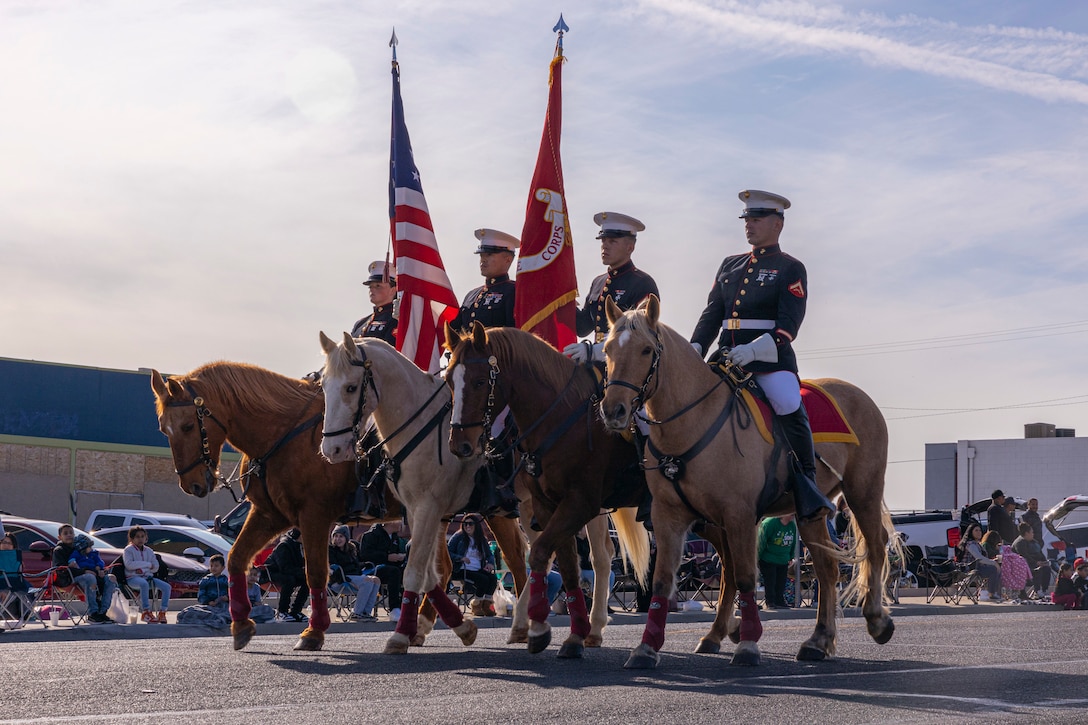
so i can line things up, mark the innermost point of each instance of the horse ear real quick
(158, 384)
(327, 343)
(479, 335)
(449, 334)
(653, 309)
(612, 311)
(350, 345)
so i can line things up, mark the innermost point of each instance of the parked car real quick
(181, 540)
(229, 526)
(115, 518)
(37, 538)
(1073, 533)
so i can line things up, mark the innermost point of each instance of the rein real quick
(530, 460)
(390, 464)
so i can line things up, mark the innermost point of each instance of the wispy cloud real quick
(1041, 64)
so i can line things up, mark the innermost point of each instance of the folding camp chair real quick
(18, 600)
(342, 596)
(941, 575)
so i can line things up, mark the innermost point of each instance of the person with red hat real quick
(1080, 582)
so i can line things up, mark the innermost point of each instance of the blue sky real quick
(188, 181)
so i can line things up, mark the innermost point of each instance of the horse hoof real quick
(571, 651)
(708, 647)
(466, 631)
(309, 644)
(643, 657)
(809, 653)
(746, 655)
(884, 636)
(243, 632)
(397, 644)
(518, 635)
(594, 640)
(539, 642)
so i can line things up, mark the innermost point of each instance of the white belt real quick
(735, 324)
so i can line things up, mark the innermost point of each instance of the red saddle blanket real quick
(829, 425)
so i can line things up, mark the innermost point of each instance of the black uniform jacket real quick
(764, 284)
(379, 324)
(492, 305)
(626, 285)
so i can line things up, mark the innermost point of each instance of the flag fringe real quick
(543, 313)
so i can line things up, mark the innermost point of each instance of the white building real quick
(1048, 464)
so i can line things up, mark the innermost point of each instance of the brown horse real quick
(276, 422)
(575, 465)
(722, 481)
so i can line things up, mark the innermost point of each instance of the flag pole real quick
(560, 27)
(389, 242)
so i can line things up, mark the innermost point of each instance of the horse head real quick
(632, 352)
(472, 376)
(350, 397)
(196, 436)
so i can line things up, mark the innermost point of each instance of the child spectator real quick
(140, 567)
(259, 612)
(213, 597)
(88, 569)
(777, 536)
(1080, 581)
(1064, 594)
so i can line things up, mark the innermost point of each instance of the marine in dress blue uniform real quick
(493, 302)
(380, 323)
(755, 309)
(625, 283)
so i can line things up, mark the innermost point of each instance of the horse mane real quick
(249, 389)
(339, 362)
(550, 368)
(634, 321)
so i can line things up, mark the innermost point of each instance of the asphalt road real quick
(1007, 664)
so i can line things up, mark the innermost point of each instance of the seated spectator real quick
(991, 545)
(1027, 547)
(89, 571)
(1064, 593)
(212, 596)
(345, 569)
(141, 565)
(287, 569)
(259, 611)
(381, 546)
(970, 552)
(473, 560)
(1080, 581)
(13, 582)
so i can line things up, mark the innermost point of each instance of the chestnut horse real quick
(276, 422)
(721, 483)
(574, 464)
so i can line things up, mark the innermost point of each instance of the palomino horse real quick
(575, 466)
(276, 422)
(717, 460)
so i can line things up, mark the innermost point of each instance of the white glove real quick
(763, 348)
(580, 351)
(576, 351)
(396, 306)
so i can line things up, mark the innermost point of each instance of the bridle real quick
(492, 381)
(367, 382)
(641, 394)
(211, 474)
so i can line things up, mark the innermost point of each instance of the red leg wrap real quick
(319, 610)
(576, 608)
(750, 627)
(538, 597)
(408, 624)
(447, 610)
(239, 598)
(654, 634)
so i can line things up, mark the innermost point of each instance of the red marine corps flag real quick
(547, 286)
(426, 296)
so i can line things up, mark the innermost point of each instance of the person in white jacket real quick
(140, 567)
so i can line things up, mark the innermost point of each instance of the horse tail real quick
(634, 543)
(858, 587)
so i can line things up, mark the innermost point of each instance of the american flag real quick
(427, 297)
